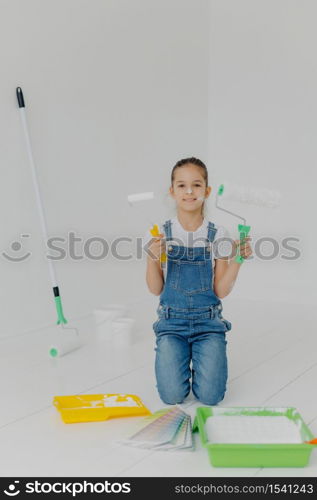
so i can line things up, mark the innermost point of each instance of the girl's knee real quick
(209, 397)
(172, 400)
(213, 401)
(173, 395)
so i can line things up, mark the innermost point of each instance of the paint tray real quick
(96, 407)
(231, 445)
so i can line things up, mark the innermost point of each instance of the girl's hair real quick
(198, 163)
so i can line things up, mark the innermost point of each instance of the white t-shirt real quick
(221, 247)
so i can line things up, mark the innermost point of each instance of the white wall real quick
(116, 93)
(262, 129)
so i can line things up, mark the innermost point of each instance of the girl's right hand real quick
(157, 246)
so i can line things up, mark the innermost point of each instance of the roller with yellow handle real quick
(155, 231)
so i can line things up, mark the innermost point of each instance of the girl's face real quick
(188, 186)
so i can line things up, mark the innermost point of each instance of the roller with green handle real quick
(253, 196)
(69, 340)
(243, 233)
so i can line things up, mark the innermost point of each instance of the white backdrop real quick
(262, 129)
(117, 91)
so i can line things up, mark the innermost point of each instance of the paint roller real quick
(250, 195)
(146, 196)
(67, 339)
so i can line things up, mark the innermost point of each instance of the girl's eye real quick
(182, 185)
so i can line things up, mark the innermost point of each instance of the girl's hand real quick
(157, 246)
(245, 249)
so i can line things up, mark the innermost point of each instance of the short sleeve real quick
(223, 243)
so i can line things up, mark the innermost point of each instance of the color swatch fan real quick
(166, 429)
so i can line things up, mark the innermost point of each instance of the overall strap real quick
(168, 230)
(211, 232)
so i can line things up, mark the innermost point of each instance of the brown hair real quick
(192, 161)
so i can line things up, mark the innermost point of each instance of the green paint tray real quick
(266, 453)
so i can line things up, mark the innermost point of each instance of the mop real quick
(67, 339)
(154, 230)
(253, 196)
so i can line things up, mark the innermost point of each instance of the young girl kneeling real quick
(190, 329)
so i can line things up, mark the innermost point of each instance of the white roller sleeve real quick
(251, 195)
(65, 342)
(132, 198)
(39, 202)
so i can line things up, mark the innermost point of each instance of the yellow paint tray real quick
(97, 407)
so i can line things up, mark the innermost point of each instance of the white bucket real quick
(110, 312)
(122, 332)
(104, 318)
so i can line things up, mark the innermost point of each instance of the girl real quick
(190, 326)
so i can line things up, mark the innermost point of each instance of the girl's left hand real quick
(245, 249)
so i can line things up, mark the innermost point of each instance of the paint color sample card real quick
(182, 440)
(167, 429)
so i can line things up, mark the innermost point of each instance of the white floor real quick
(272, 362)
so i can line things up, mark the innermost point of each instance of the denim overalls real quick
(190, 326)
